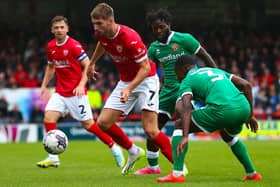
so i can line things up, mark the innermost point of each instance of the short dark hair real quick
(161, 14)
(59, 18)
(103, 11)
(184, 60)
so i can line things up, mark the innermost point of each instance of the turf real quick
(88, 163)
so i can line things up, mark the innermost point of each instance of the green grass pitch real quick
(89, 163)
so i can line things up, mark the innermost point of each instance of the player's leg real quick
(54, 110)
(79, 108)
(93, 128)
(178, 173)
(153, 151)
(107, 121)
(50, 120)
(240, 152)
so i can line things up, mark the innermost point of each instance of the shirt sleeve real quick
(78, 52)
(138, 50)
(49, 58)
(190, 43)
(185, 88)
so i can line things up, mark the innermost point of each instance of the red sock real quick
(119, 136)
(164, 144)
(50, 126)
(104, 137)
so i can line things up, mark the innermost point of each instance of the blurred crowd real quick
(254, 55)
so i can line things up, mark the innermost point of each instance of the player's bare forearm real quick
(206, 57)
(185, 114)
(98, 52)
(84, 78)
(245, 87)
(48, 75)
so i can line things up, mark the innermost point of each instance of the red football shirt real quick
(127, 50)
(66, 58)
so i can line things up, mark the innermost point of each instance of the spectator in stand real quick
(31, 81)
(273, 99)
(20, 75)
(261, 98)
(15, 116)
(95, 100)
(3, 107)
(11, 83)
(3, 82)
(37, 114)
(266, 79)
(277, 83)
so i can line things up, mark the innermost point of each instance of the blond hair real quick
(102, 11)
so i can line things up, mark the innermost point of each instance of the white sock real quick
(114, 148)
(251, 174)
(133, 150)
(154, 167)
(177, 173)
(55, 157)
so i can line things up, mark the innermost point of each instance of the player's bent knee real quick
(225, 136)
(87, 124)
(151, 133)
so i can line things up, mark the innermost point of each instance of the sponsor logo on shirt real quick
(61, 63)
(118, 58)
(170, 57)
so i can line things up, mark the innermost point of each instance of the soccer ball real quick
(55, 142)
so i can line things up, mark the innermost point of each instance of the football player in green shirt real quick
(169, 45)
(228, 105)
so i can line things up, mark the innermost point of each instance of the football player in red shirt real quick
(138, 83)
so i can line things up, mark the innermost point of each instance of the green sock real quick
(240, 151)
(178, 160)
(152, 161)
(152, 158)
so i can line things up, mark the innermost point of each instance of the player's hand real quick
(181, 146)
(79, 91)
(252, 124)
(92, 74)
(124, 95)
(42, 92)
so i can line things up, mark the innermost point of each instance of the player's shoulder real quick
(72, 41)
(128, 34)
(51, 43)
(181, 34)
(154, 44)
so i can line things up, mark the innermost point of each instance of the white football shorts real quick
(78, 107)
(146, 95)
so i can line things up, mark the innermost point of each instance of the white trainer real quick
(132, 159)
(49, 162)
(118, 155)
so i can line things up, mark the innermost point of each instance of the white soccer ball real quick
(55, 142)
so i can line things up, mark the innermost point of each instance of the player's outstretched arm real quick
(80, 89)
(49, 72)
(184, 108)
(98, 52)
(206, 57)
(244, 86)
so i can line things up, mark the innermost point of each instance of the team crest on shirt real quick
(175, 47)
(65, 52)
(119, 48)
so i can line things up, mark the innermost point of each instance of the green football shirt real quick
(178, 44)
(211, 86)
